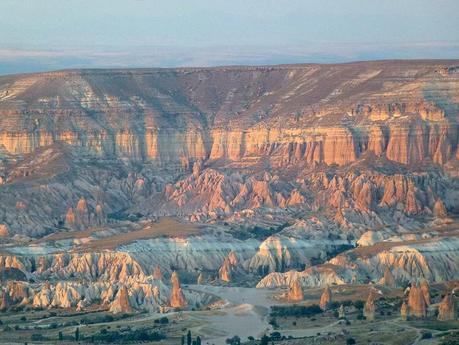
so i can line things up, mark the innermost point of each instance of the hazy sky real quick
(47, 34)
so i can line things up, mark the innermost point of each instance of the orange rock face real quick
(439, 209)
(157, 273)
(447, 308)
(389, 279)
(121, 302)
(3, 230)
(5, 301)
(369, 307)
(425, 288)
(228, 267)
(295, 293)
(326, 299)
(177, 297)
(416, 302)
(404, 311)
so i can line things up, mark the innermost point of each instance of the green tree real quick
(60, 336)
(188, 338)
(183, 340)
(77, 334)
(198, 340)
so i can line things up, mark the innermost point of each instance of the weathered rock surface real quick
(177, 297)
(447, 309)
(431, 259)
(369, 308)
(326, 298)
(417, 305)
(281, 167)
(295, 293)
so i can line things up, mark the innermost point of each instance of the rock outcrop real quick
(417, 306)
(447, 309)
(425, 288)
(295, 293)
(177, 299)
(369, 308)
(404, 313)
(389, 279)
(3, 230)
(200, 280)
(121, 302)
(157, 274)
(228, 267)
(326, 299)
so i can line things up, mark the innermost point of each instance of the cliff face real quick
(226, 142)
(302, 113)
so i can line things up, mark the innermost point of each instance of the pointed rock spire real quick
(157, 273)
(121, 302)
(416, 302)
(341, 312)
(389, 279)
(439, 209)
(326, 298)
(404, 311)
(177, 297)
(425, 291)
(369, 308)
(295, 293)
(5, 301)
(200, 279)
(447, 308)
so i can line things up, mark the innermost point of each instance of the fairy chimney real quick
(425, 291)
(70, 218)
(295, 293)
(447, 308)
(369, 308)
(404, 311)
(121, 302)
(157, 273)
(389, 279)
(5, 301)
(200, 279)
(326, 299)
(4, 230)
(177, 297)
(439, 209)
(416, 302)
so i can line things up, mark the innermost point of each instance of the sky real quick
(53, 34)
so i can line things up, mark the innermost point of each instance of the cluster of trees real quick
(295, 310)
(188, 339)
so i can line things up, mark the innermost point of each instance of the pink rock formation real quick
(177, 297)
(4, 230)
(295, 293)
(326, 298)
(389, 279)
(70, 218)
(404, 311)
(439, 209)
(82, 214)
(157, 273)
(424, 286)
(447, 309)
(5, 301)
(121, 302)
(228, 267)
(416, 302)
(369, 307)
